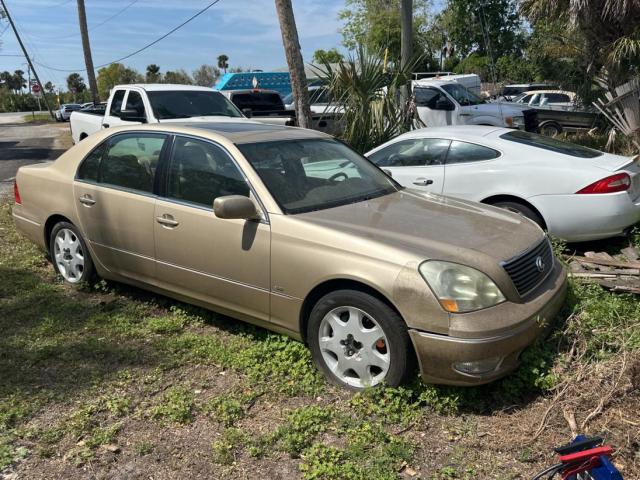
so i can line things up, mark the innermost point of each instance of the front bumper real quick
(439, 354)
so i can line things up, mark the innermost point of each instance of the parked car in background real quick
(547, 98)
(261, 105)
(64, 112)
(574, 192)
(235, 217)
(155, 103)
(508, 92)
(326, 114)
(443, 102)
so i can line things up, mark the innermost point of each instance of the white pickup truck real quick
(156, 103)
(442, 101)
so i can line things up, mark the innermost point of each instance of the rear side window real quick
(463, 152)
(89, 168)
(558, 98)
(417, 152)
(550, 144)
(116, 103)
(200, 172)
(131, 160)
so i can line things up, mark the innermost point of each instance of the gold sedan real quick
(291, 230)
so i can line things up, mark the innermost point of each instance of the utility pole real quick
(86, 47)
(24, 50)
(406, 39)
(294, 60)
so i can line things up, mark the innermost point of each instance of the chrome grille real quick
(524, 269)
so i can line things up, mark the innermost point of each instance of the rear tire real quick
(523, 210)
(69, 253)
(551, 129)
(358, 341)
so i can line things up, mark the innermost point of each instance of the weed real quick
(229, 408)
(118, 405)
(225, 449)
(143, 448)
(177, 406)
(102, 435)
(301, 428)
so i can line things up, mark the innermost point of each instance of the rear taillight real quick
(614, 183)
(16, 193)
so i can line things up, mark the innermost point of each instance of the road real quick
(26, 143)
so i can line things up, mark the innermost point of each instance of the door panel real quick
(115, 203)
(220, 261)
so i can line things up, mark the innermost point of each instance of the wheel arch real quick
(512, 198)
(48, 227)
(332, 285)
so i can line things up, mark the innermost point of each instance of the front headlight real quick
(459, 288)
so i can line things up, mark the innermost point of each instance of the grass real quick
(38, 118)
(170, 384)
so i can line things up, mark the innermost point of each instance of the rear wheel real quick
(523, 210)
(550, 129)
(69, 253)
(358, 341)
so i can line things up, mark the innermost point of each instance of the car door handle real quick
(423, 181)
(87, 200)
(105, 125)
(167, 221)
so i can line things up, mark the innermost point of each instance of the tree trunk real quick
(294, 61)
(406, 41)
(88, 61)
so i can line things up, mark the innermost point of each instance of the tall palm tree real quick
(223, 62)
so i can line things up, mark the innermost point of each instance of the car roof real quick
(238, 132)
(155, 87)
(458, 131)
(566, 92)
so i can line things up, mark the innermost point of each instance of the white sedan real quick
(574, 192)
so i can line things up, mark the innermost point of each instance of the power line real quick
(140, 49)
(94, 27)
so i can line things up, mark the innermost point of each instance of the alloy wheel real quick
(354, 347)
(68, 255)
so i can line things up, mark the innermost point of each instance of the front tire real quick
(358, 341)
(69, 253)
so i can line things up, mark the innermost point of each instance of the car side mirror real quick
(388, 172)
(132, 116)
(247, 112)
(444, 105)
(235, 207)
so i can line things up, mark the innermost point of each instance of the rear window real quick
(258, 101)
(551, 144)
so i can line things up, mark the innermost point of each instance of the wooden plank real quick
(610, 263)
(630, 253)
(591, 275)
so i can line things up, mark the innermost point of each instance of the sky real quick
(246, 30)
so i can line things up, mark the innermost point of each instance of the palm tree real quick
(153, 73)
(223, 62)
(608, 28)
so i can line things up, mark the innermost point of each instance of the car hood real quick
(432, 226)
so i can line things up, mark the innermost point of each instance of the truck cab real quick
(442, 102)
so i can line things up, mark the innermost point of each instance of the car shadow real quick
(12, 150)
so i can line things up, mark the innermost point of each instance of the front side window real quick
(172, 104)
(116, 103)
(430, 97)
(314, 174)
(200, 172)
(131, 160)
(134, 102)
(463, 152)
(550, 144)
(417, 152)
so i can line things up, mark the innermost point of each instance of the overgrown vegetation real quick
(110, 373)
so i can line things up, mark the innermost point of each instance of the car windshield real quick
(462, 95)
(169, 104)
(551, 144)
(315, 174)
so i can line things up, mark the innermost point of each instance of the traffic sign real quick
(35, 89)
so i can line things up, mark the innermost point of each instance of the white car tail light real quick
(613, 183)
